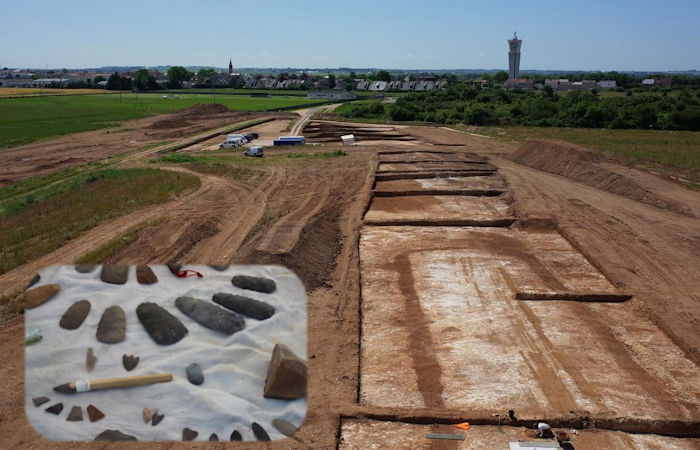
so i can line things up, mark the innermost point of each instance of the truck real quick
(289, 140)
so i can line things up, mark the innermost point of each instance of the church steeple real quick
(230, 67)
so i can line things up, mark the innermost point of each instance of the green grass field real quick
(24, 120)
(46, 224)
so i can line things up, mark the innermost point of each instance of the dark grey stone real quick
(213, 437)
(114, 274)
(258, 284)
(34, 280)
(114, 435)
(188, 434)
(112, 326)
(236, 436)
(130, 361)
(75, 414)
(38, 401)
(284, 427)
(174, 268)
(163, 327)
(210, 315)
(55, 409)
(194, 374)
(260, 432)
(85, 268)
(244, 305)
(219, 267)
(156, 419)
(75, 315)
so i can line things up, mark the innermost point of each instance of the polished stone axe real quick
(110, 383)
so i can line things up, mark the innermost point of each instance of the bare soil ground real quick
(629, 366)
(47, 156)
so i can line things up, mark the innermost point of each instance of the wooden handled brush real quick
(111, 383)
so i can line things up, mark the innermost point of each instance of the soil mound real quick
(584, 165)
(169, 123)
(203, 109)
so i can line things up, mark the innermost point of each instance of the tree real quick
(331, 81)
(383, 75)
(176, 75)
(500, 76)
(114, 82)
(203, 74)
(141, 79)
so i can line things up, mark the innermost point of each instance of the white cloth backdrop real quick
(234, 367)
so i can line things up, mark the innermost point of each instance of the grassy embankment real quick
(24, 120)
(62, 212)
(245, 168)
(674, 153)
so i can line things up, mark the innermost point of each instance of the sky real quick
(624, 35)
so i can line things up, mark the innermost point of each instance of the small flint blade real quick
(65, 389)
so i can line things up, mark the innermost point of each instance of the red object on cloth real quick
(187, 273)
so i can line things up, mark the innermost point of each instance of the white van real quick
(233, 141)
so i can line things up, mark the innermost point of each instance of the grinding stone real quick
(213, 437)
(284, 427)
(75, 414)
(130, 361)
(114, 274)
(38, 401)
(209, 315)
(219, 267)
(236, 436)
(188, 435)
(90, 359)
(94, 414)
(163, 327)
(245, 305)
(114, 435)
(112, 326)
(260, 432)
(194, 374)
(37, 296)
(258, 284)
(34, 280)
(286, 375)
(55, 409)
(145, 275)
(85, 268)
(75, 315)
(157, 418)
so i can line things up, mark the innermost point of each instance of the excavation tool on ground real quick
(111, 383)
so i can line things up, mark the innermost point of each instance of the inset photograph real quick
(165, 353)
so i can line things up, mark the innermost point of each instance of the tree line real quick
(463, 103)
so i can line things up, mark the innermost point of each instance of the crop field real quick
(23, 120)
(32, 92)
(42, 225)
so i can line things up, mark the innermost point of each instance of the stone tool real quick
(110, 383)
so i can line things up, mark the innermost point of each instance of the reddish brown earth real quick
(308, 216)
(50, 155)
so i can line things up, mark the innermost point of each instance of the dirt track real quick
(309, 218)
